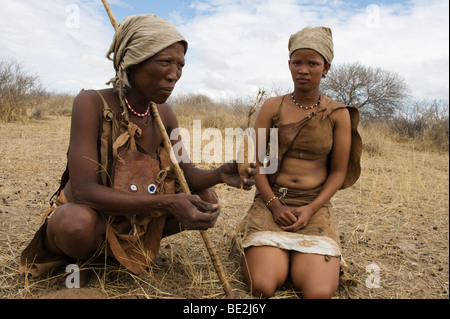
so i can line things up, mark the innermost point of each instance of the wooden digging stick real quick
(111, 16)
(184, 185)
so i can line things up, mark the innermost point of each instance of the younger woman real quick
(290, 228)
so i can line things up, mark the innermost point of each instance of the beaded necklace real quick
(147, 113)
(306, 107)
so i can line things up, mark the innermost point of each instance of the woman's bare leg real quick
(265, 269)
(314, 276)
(75, 231)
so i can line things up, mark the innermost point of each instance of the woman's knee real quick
(265, 269)
(259, 284)
(315, 276)
(314, 286)
(324, 291)
(77, 222)
(75, 229)
(263, 288)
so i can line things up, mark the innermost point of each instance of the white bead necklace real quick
(306, 107)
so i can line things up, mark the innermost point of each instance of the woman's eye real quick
(164, 62)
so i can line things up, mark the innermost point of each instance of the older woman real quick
(290, 227)
(108, 203)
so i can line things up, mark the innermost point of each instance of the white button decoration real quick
(151, 188)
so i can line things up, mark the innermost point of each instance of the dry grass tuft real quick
(395, 217)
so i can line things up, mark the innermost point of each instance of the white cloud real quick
(410, 38)
(58, 40)
(235, 46)
(120, 3)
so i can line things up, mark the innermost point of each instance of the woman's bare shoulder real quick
(84, 97)
(276, 100)
(87, 104)
(272, 104)
(268, 111)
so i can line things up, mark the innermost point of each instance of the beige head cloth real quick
(138, 38)
(319, 39)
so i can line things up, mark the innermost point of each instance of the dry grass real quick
(396, 216)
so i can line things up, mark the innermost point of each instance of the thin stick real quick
(184, 185)
(179, 173)
(111, 16)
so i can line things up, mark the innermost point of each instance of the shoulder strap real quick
(105, 104)
(105, 139)
(329, 106)
(281, 105)
(276, 118)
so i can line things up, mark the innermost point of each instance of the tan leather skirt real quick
(320, 236)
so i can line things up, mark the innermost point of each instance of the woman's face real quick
(307, 67)
(156, 77)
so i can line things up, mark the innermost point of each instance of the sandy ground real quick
(394, 228)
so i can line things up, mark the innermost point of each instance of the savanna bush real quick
(23, 97)
(424, 124)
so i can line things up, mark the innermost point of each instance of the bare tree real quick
(377, 93)
(255, 106)
(19, 91)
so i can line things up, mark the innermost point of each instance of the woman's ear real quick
(326, 69)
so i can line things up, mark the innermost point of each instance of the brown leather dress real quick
(124, 165)
(308, 139)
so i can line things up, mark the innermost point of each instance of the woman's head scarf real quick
(319, 39)
(138, 38)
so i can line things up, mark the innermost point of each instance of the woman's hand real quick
(282, 215)
(229, 175)
(303, 215)
(192, 212)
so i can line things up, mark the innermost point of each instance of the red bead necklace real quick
(147, 113)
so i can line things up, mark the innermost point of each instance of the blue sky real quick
(162, 9)
(235, 46)
(186, 8)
